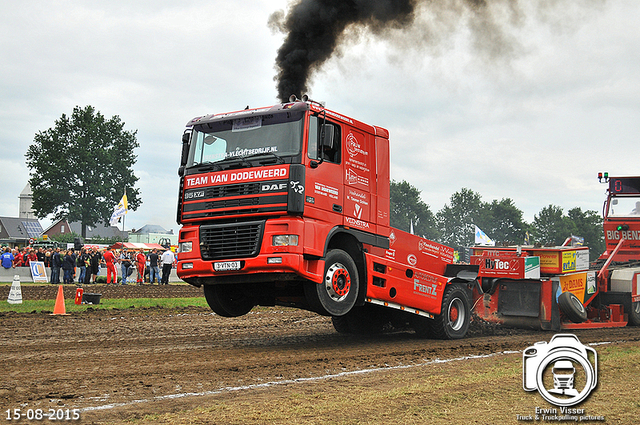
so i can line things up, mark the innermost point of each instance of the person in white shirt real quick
(167, 263)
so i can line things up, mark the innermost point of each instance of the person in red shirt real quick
(110, 259)
(29, 258)
(17, 258)
(140, 260)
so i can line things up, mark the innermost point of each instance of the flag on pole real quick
(119, 210)
(482, 238)
(577, 240)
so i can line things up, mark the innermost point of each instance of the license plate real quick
(226, 266)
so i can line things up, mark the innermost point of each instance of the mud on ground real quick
(118, 365)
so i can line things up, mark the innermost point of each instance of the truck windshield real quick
(272, 135)
(624, 207)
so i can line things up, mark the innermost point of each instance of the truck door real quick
(324, 197)
(357, 173)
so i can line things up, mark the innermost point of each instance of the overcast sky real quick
(531, 112)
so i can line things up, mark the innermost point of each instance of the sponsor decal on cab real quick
(236, 177)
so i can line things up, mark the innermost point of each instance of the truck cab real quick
(289, 205)
(621, 213)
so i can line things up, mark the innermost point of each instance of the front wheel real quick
(455, 317)
(228, 300)
(338, 291)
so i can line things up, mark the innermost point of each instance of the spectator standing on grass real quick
(167, 263)
(68, 263)
(94, 266)
(29, 258)
(154, 260)
(140, 260)
(110, 260)
(40, 255)
(125, 264)
(7, 258)
(81, 263)
(56, 263)
(74, 258)
(146, 267)
(17, 258)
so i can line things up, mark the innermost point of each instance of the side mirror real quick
(325, 144)
(186, 137)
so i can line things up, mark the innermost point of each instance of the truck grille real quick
(233, 190)
(233, 240)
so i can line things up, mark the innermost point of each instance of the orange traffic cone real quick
(60, 309)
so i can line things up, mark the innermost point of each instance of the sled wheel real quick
(455, 316)
(634, 314)
(337, 292)
(228, 300)
(572, 307)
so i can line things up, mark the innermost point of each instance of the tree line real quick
(81, 167)
(454, 225)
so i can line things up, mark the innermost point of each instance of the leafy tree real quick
(407, 207)
(589, 226)
(81, 167)
(504, 223)
(456, 220)
(552, 227)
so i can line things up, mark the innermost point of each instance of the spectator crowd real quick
(85, 265)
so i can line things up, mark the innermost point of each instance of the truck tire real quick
(455, 317)
(337, 293)
(634, 314)
(228, 300)
(341, 324)
(572, 307)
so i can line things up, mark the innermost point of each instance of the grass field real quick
(38, 306)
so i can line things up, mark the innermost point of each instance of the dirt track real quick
(124, 364)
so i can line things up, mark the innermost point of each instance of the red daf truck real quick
(289, 205)
(556, 287)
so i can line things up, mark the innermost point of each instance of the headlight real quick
(285, 240)
(186, 247)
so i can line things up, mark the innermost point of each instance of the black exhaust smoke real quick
(314, 28)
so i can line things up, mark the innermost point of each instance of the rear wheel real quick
(572, 307)
(455, 317)
(337, 293)
(228, 300)
(634, 314)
